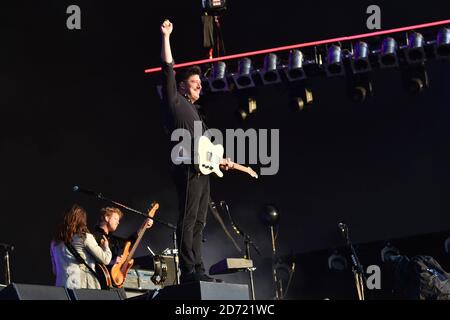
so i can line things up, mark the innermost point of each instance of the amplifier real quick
(163, 274)
(139, 279)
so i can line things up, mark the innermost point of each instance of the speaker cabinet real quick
(203, 291)
(94, 294)
(17, 291)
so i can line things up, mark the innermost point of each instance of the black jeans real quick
(192, 220)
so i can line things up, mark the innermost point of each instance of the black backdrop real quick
(77, 109)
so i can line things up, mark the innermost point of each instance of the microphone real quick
(342, 227)
(86, 191)
(223, 204)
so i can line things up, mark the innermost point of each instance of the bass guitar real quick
(119, 270)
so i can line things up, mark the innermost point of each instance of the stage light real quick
(269, 73)
(415, 52)
(337, 262)
(360, 61)
(388, 55)
(295, 71)
(243, 79)
(361, 89)
(443, 43)
(214, 7)
(389, 253)
(301, 97)
(415, 78)
(270, 215)
(218, 81)
(334, 61)
(247, 106)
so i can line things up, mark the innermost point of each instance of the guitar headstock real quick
(252, 173)
(153, 208)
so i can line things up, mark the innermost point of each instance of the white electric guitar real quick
(210, 157)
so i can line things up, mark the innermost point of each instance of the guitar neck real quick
(141, 231)
(242, 168)
(138, 240)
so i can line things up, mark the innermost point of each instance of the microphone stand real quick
(167, 224)
(278, 286)
(7, 249)
(175, 257)
(248, 242)
(357, 269)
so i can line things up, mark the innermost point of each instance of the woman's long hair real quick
(75, 222)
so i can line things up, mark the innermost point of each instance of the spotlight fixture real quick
(218, 81)
(269, 73)
(301, 96)
(415, 52)
(443, 43)
(334, 61)
(294, 71)
(361, 88)
(360, 60)
(389, 253)
(388, 54)
(243, 78)
(247, 106)
(337, 262)
(415, 78)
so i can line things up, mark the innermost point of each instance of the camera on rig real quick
(214, 7)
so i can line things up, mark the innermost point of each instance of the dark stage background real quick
(77, 109)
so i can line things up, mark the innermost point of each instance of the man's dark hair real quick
(184, 74)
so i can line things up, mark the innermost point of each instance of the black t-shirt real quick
(116, 244)
(178, 111)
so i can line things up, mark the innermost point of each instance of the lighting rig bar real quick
(307, 44)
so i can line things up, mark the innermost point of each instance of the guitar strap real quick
(80, 259)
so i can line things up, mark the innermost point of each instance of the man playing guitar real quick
(109, 221)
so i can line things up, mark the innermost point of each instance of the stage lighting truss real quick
(355, 60)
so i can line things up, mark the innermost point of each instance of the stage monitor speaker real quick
(95, 294)
(17, 291)
(203, 291)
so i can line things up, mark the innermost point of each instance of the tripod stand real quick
(248, 242)
(277, 284)
(8, 248)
